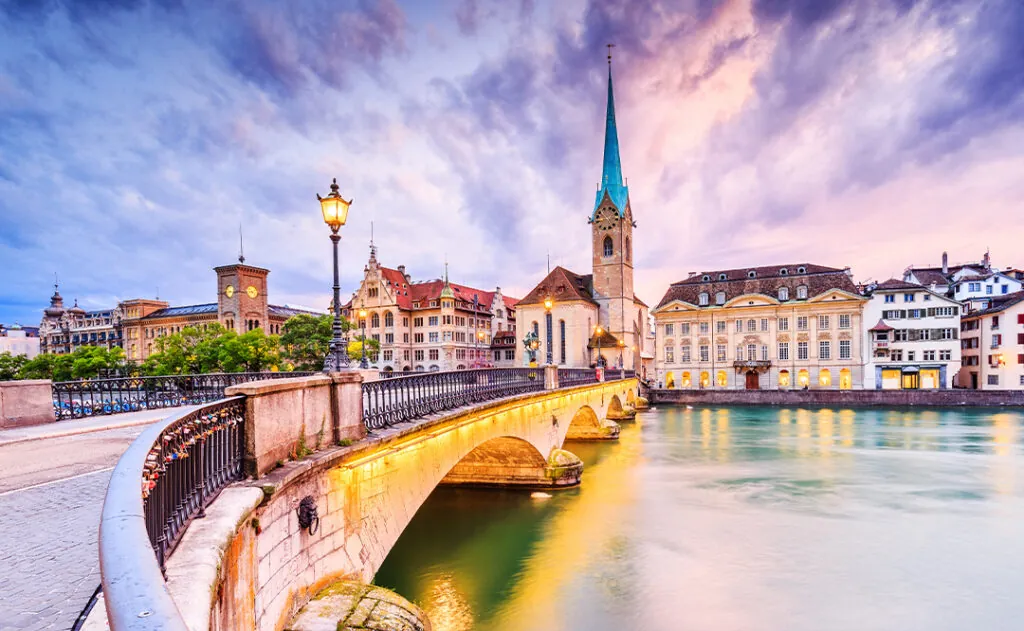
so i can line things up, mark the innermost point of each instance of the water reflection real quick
(741, 518)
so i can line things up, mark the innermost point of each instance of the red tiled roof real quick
(561, 285)
(767, 281)
(930, 276)
(893, 283)
(999, 303)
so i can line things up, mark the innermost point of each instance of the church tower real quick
(612, 241)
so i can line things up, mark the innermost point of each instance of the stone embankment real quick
(843, 398)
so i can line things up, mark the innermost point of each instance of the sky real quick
(137, 136)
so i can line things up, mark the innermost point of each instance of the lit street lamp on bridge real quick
(335, 210)
(362, 323)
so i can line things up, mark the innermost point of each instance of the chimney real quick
(692, 274)
(945, 263)
(986, 261)
(401, 270)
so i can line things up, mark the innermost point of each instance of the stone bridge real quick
(250, 565)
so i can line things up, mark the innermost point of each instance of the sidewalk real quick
(85, 425)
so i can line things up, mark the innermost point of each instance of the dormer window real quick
(722, 277)
(705, 278)
(783, 271)
(751, 274)
(801, 270)
(720, 298)
(783, 293)
(801, 292)
(703, 299)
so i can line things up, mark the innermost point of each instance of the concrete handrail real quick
(134, 591)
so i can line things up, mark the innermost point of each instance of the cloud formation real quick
(136, 135)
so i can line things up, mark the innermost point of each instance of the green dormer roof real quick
(611, 172)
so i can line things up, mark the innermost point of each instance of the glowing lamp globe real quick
(334, 207)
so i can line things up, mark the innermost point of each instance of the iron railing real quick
(400, 399)
(94, 397)
(164, 480)
(576, 376)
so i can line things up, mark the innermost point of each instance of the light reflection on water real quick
(742, 518)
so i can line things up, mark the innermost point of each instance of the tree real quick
(192, 351)
(47, 366)
(306, 339)
(11, 365)
(88, 362)
(253, 351)
(355, 349)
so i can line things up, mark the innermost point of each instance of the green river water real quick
(745, 519)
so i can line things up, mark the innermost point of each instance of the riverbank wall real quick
(842, 398)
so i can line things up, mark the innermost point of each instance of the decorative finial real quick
(334, 186)
(241, 248)
(610, 47)
(56, 284)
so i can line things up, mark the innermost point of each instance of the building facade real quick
(914, 339)
(992, 342)
(137, 323)
(973, 284)
(434, 325)
(18, 340)
(593, 319)
(775, 327)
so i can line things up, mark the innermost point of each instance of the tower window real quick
(628, 250)
(609, 246)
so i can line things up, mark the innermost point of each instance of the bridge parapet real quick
(365, 492)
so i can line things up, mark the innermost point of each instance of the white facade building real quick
(993, 345)
(913, 339)
(17, 341)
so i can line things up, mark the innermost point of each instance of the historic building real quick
(973, 284)
(583, 320)
(914, 340)
(432, 325)
(787, 326)
(19, 340)
(992, 342)
(135, 324)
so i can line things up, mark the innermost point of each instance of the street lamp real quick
(548, 303)
(599, 331)
(362, 322)
(476, 351)
(335, 211)
(622, 367)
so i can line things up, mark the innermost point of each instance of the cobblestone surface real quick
(48, 552)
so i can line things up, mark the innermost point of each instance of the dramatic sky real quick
(135, 137)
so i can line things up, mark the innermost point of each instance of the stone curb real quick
(79, 430)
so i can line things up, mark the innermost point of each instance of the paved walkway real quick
(52, 486)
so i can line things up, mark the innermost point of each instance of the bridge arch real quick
(501, 461)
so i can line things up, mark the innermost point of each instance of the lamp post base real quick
(336, 362)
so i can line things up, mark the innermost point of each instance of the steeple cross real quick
(610, 47)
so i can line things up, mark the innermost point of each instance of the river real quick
(742, 518)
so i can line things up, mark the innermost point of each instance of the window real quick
(669, 329)
(783, 324)
(927, 297)
(783, 293)
(684, 328)
(751, 274)
(946, 355)
(973, 286)
(389, 355)
(704, 352)
(705, 278)
(561, 341)
(609, 246)
(389, 338)
(1020, 338)
(801, 292)
(997, 340)
(993, 380)
(432, 321)
(928, 356)
(670, 355)
(433, 337)
(405, 338)
(783, 351)
(739, 352)
(720, 354)
(684, 354)
(720, 298)
(628, 252)
(704, 326)
(419, 356)
(890, 297)
(908, 297)
(988, 289)
(446, 336)
(823, 323)
(739, 326)
(995, 322)
(764, 352)
(417, 322)
(510, 354)
(824, 350)
(844, 349)
(405, 322)
(418, 338)
(435, 354)
(801, 323)
(722, 276)
(764, 324)
(844, 321)
(702, 299)
(751, 324)
(375, 321)
(801, 350)
(910, 356)
(720, 326)
(1005, 288)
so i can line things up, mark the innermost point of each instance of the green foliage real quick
(194, 350)
(11, 365)
(252, 351)
(55, 367)
(355, 349)
(306, 339)
(86, 362)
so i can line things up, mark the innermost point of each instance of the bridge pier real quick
(512, 462)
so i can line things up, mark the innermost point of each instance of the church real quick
(584, 320)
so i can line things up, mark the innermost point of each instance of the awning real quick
(910, 369)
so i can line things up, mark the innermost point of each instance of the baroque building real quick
(433, 325)
(136, 324)
(583, 320)
(773, 327)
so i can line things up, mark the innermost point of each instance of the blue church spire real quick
(611, 173)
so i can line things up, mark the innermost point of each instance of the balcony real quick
(752, 363)
(881, 344)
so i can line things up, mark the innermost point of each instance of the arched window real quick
(628, 250)
(801, 270)
(609, 246)
(703, 299)
(375, 321)
(684, 381)
(536, 328)
(705, 278)
(722, 276)
(825, 377)
(783, 293)
(783, 378)
(389, 319)
(561, 341)
(751, 274)
(722, 379)
(801, 292)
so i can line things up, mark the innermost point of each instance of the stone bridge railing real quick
(170, 475)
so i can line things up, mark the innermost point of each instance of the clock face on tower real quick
(606, 219)
(251, 291)
(229, 291)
